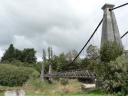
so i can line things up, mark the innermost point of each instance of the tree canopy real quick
(27, 55)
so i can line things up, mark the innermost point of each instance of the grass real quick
(39, 88)
(71, 94)
(73, 88)
(1, 94)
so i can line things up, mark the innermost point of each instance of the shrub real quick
(64, 81)
(110, 51)
(32, 73)
(38, 84)
(15, 76)
(116, 77)
(114, 70)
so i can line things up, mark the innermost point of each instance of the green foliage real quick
(92, 52)
(84, 63)
(71, 55)
(64, 81)
(9, 55)
(91, 60)
(32, 73)
(28, 55)
(114, 69)
(61, 62)
(13, 54)
(15, 76)
(116, 76)
(38, 66)
(38, 84)
(88, 64)
(110, 51)
(64, 63)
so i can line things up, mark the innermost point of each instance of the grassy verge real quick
(39, 88)
(73, 88)
(1, 94)
(70, 94)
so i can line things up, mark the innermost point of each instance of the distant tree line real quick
(18, 66)
(61, 62)
(27, 55)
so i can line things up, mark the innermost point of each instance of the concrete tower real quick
(110, 31)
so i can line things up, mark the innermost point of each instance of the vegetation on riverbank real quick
(39, 88)
(109, 64)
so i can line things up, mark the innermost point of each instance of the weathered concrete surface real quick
(110, 31)
(14, 93)
(125, 52)
(87, 87)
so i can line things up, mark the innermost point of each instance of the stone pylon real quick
(110, 31)
(42, 72)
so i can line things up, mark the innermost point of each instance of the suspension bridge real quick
(110, 32)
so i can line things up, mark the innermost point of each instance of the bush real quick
(116, 77)
(38, 84)
(114, 70)
(15, 76)
(64, 81)
(24, 64)
(32, 73)
(110, 51)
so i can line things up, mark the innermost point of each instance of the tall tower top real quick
(110, 6)
(110, 31)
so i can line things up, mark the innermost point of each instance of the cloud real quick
(62, 24)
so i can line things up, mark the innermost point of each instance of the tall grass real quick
(53, 89)
(72, 88)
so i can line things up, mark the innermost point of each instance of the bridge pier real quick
(42, 72)
(50, 72)
(110, 31)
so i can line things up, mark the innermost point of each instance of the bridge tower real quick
(110, 31)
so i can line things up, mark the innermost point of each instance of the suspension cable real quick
(87, 41)
(96, 30)
(119, 6)
(124, 34)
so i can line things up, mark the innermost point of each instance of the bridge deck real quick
(72, 74)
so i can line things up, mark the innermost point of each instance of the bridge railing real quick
(72, 74)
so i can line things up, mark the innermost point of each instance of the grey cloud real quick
(56, 23)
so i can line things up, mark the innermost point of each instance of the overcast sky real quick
(61, 24)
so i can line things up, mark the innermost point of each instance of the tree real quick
(92, 52)
(91, 60)
(9, 54)
(18, 54)
(110, 51)
(62, 63)
(113, 70)
(12, 54)
(16, 76)
(84, 64)
(28, 55)
(116, 77)
(71, 55)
